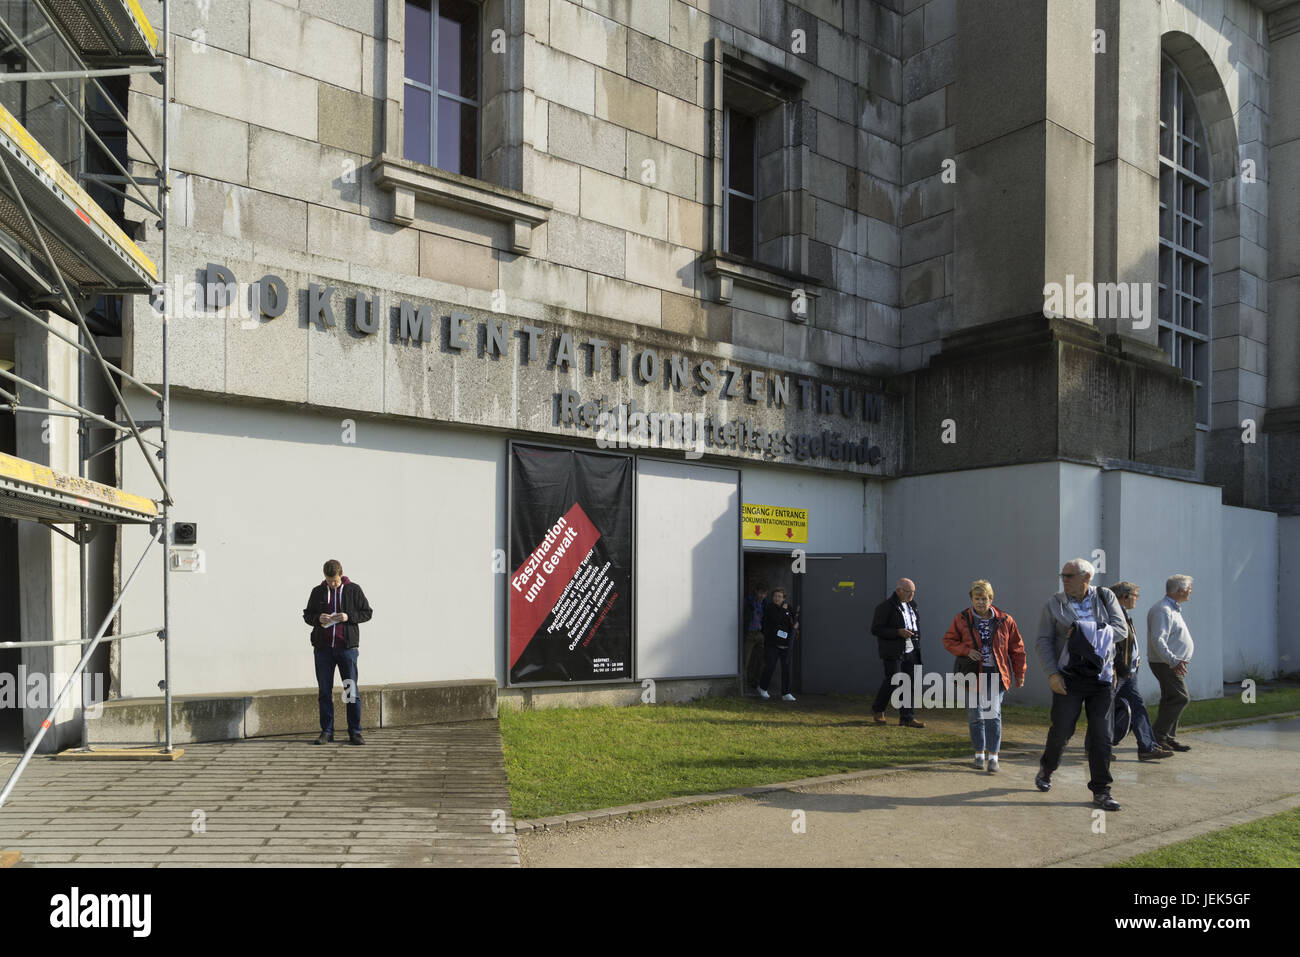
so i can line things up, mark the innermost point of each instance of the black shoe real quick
(324, 739)
(1105, 801)
(356, 738)
(1173, 745)
(1043, 781)
(1154, 755)
(911, 723)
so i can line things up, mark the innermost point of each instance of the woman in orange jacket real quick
(990, 640)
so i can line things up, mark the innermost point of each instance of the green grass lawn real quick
(1270, 701)
(1269, 842)
(565, 760)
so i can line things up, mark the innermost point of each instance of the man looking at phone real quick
(335, 609)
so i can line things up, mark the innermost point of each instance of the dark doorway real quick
(772, 570)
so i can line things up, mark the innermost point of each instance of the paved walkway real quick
(949, 814)
(422, 796)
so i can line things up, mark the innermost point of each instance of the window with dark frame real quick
(1185, 192)
(740, 184)
(757, 202)
(441, 90)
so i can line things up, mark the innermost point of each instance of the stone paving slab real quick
(421, 796)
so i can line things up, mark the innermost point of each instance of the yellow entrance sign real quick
(774, 523)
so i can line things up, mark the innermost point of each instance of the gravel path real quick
(950, 814)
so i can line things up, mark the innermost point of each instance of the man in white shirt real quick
(1169, 647)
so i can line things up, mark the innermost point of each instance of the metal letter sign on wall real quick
(571, 558)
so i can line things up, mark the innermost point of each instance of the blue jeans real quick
(346, 659)
(986, 733)
(1128, 690)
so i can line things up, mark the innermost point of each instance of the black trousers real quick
(903, 663)
(1096, 701)
(771, 655)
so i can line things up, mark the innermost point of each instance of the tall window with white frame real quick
(440, 113)
(1185, 236)
(740, 184)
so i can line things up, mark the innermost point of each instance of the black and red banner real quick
(571, 554)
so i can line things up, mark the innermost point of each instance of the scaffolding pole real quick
(164, 407)
(76, 672)
(88, 349)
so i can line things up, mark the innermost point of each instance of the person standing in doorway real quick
(778, 636)
(335, 610)
(1169, 643)
(898, 639)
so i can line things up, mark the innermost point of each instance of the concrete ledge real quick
(409, 704)
(194, 718)
(289, 711)
(620, 695)
(294, 710)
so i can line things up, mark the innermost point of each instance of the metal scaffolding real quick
(66, 251)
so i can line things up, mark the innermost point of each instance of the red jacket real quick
(1008, 646)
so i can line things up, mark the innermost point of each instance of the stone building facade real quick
(463, 222)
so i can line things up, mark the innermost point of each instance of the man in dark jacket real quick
(899, 643)
(335, 610)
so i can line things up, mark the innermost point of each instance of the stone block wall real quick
(603, 111)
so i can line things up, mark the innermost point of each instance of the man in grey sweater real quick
(1097, 609)
(1169, 647)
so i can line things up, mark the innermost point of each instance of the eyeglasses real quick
(1069, 575)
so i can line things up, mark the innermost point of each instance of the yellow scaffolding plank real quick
(68, 209)
(39, 493)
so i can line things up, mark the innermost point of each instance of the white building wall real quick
(687, 570)
(1288, 572)
(1016, 526)
(843, 512)
(1167, 527)
(1250, 591)
(1004, 524)
(413, 513)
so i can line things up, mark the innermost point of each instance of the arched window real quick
(1185, 238)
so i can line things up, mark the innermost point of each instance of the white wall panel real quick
(412, 512)
(688, 570)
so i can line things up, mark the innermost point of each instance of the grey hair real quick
(1123, 589)
(1176, 583)
(1082, 566)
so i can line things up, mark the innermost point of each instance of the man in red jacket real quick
(335, 609)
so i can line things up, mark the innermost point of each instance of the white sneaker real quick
(787, 697)
(993, 765)
(979, 762)
(763, 694)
